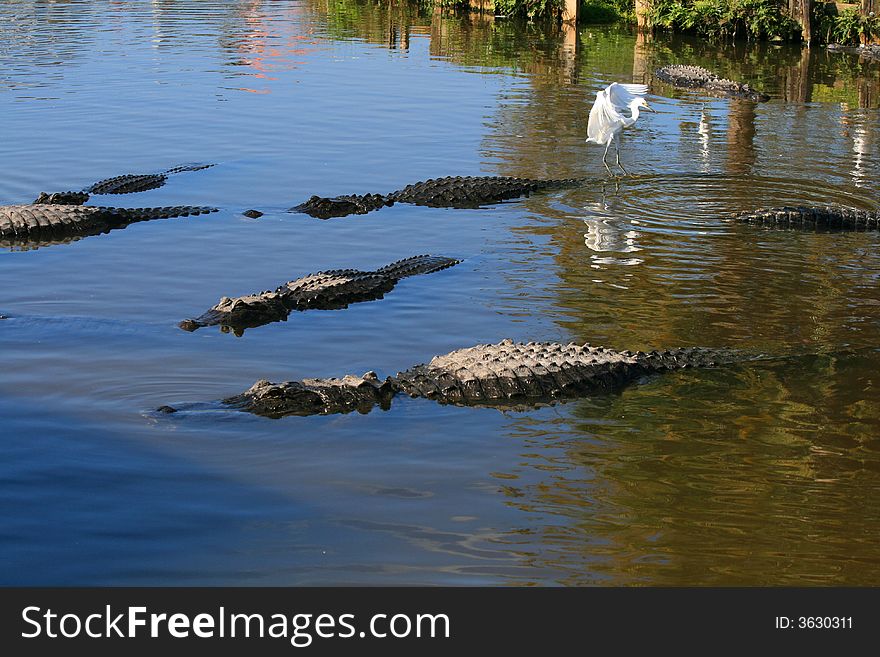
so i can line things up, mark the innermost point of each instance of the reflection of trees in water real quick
(796, 85)
(542, 51)
(789, 72)
(736, 476)
(740, 137)
(836, 77)
(390, 24)
(537, 131)
(745, 476)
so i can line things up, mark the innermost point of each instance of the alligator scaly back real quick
(36, 225)
(139, 182)
(62, 198)
(828, 218)
(129, 183)
(506, 375)
(448, 192)
(325, 290)
(697, 77)
(474, 191)
(517, 374)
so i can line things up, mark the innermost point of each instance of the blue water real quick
(758, 474)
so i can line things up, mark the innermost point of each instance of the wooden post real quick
(570, 52)
(482, 6)
(868, 7)
(642, 8)
(571, 11)
(800, 11)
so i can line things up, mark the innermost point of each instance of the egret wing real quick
(604, 121)
(621, 95)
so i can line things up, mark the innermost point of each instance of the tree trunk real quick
(869, 7)
(741, 152)
(642, 7)
(797, 85)
(800, 12)
(570, 11)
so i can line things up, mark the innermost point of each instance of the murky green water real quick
(759, 474)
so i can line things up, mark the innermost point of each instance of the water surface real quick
(758, 474)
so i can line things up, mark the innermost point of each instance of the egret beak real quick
(649, 108)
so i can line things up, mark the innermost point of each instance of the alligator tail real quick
(131, 215)
(420, 264)
(812, 218)
(687, 357)
(188, 167)
(139, 182)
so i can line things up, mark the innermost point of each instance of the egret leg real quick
(617, 144)
(604, 155)
(605, 191)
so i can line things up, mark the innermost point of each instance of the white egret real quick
(607, 118)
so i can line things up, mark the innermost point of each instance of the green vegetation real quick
(847, 27)
(726, 19)
(592, 11)
(538, 9)
(754, 19)
(607, 11)
(719, 20)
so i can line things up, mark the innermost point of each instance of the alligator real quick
(448, 192)
(696, 77)
(325, 290)
(125, 184)
(828, 218)
(506, 375)
(32, 226)
(869, 51)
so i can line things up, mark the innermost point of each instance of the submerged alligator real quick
(325, 290)
(125, 184)
(507, 375)
(869, 51)
(62, 217)
(697, 77)
(828, 218)
(448, 192)
(32, 226)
